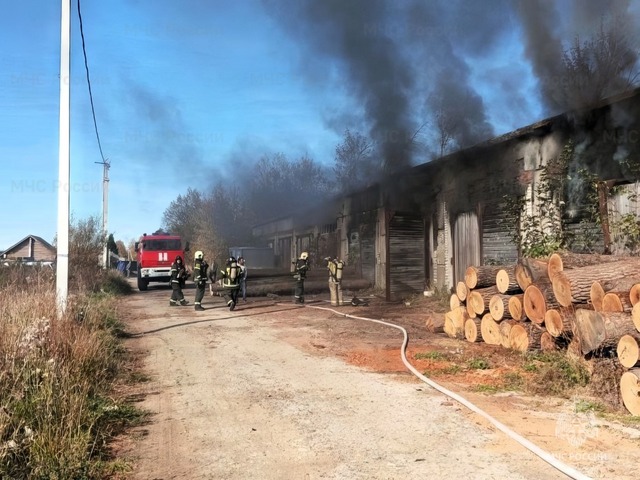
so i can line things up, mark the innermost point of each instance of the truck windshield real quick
(155, 245)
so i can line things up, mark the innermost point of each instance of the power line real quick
(86, 67)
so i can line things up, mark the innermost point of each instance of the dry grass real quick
(57, 376)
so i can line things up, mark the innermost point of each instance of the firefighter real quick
(301, 265)
(230, 282)
(178, 274)
(335, 280)
(200, 278)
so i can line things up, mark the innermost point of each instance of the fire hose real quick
(546, 456)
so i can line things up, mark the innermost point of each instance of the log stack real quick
(586, 303)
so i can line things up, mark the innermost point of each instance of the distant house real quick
(30, 249)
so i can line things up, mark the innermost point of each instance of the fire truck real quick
(155, 254)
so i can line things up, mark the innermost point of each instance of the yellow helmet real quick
(304, 255)
(199, 255)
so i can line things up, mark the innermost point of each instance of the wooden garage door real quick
(466, 244)
(406, 255)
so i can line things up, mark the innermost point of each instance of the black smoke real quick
(392, 58)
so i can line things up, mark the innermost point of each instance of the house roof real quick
(41, 240)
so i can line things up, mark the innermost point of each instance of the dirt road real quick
(257, 394)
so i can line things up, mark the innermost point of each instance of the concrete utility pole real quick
(105, 210)
(62, 255)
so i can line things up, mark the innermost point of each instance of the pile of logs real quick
(586, 303)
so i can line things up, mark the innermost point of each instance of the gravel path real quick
(232, 400)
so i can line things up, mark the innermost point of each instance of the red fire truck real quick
(155, 254)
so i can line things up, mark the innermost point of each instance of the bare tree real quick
(598, 67)
(354, 164)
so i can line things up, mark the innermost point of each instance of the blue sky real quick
(188, 93)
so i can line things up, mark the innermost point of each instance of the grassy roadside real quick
(58, 377)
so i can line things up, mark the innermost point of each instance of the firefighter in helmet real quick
(230, 282)
(200, 278)
(335, 280)
(178, 274)
(300, 267)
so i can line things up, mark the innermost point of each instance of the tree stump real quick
(472, 330)
(630, 390)
(628, 351)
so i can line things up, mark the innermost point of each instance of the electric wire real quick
(86, 67)
(546, 456)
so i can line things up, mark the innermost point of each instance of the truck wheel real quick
(142, 284)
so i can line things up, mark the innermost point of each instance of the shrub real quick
(56, 380)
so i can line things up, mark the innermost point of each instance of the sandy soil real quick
(276, 391)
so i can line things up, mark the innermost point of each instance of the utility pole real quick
(105, 210)
(62, 247)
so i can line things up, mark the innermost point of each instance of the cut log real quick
(481, 276)
(635, 316)
(525, 337)
(515, 307)
(499, 307)
(548, 343)
(630, 390)
(530, 270)
(462, 291)
(570, 260)
(559, 321)
(505, 328)
(479, 299)
(623, 298)
(537, 300)
(634, 294)
(435, 326)
(454, 301)
(454, 322)
(472, 330)
(601, 330)
(471, 313)
(574, 286)
(596, 294)
(506, 281)
(628, 351)
(554, 265)
(490, 330)
(612, 303)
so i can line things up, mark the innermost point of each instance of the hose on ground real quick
(546, 456)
